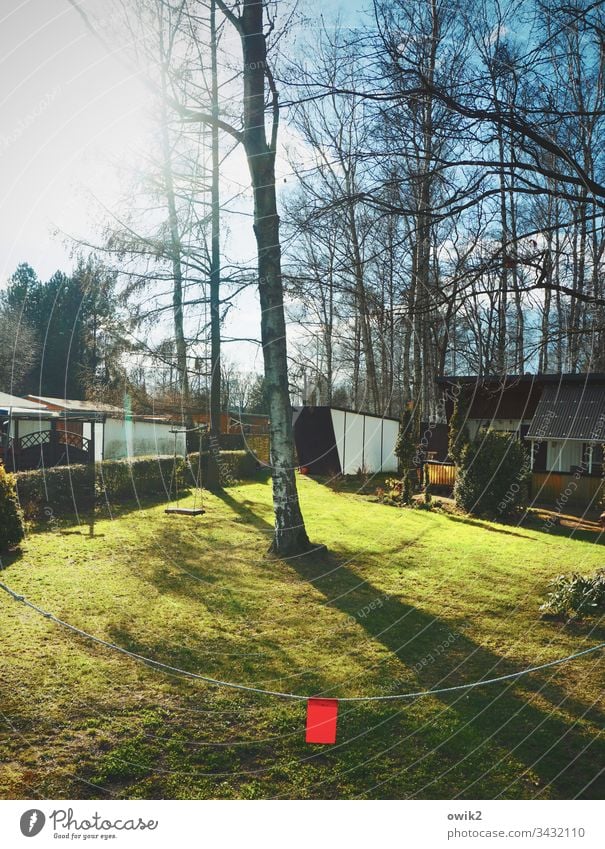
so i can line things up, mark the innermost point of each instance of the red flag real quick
(321, 720)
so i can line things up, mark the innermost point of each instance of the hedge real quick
(68, 489)
(142, 478)
(493, 476)
(61, 489)
(233, 466)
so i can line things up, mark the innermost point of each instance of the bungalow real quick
(31, 435)
(559, 417)
(42, 431)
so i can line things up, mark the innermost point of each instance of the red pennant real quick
(321, 720)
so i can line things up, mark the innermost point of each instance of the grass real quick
(406, 600)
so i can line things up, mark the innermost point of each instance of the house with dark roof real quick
(559, 417)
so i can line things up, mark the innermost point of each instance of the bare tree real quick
(248, 20)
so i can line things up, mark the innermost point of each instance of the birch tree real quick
(260, 144)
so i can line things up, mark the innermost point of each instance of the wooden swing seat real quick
(185, 511)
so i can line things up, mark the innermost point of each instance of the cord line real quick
(156, 664)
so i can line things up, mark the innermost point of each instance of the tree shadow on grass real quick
(247, 510)
(564, 754)
(534, 525)
(432, 652)
(596, 537)
(438, 653)
(478, 523)
(67, 521)
(7, 558)
(353, 484)
(227, 655)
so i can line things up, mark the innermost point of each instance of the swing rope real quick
(175, 670)
(174, 473)
(198, 491)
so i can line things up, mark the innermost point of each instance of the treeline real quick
(77, 336)
(60, 337)
(447, 215)
(443, 212)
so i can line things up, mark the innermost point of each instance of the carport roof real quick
(25, 408)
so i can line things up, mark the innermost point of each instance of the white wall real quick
(352, 459)
(564, 451)
(372, 451)
(128, 438)
(364, 442)
(98, 426)
(390, 432)
(338, 423)
(30, 426)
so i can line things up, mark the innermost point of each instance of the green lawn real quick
(405, 600)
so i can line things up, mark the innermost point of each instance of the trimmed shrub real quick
(260, 445)
(493, 476)
(67, 489)
(576, 595)
(233, 466)
(60, 489)
(142, 478)
(11, 517)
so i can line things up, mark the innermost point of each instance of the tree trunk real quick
(290, 535)
(213, 481)
(362, 306)
(175, 255)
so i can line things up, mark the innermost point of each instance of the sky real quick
(70, 111)
(74, 113)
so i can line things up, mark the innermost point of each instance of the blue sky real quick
(72, 112)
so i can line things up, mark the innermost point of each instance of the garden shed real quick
(333, 440)
(32, 435)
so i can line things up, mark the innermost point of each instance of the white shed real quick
(331, 440)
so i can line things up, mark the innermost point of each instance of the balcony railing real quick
(46, 448)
